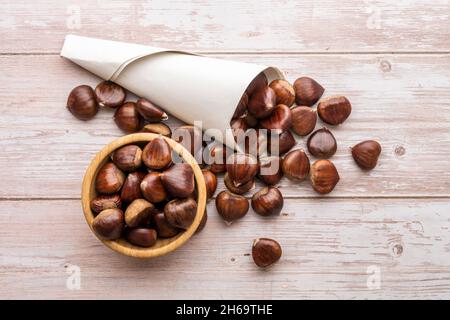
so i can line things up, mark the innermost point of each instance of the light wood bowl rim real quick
(130, 250)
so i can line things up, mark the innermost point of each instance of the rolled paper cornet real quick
(191, 87)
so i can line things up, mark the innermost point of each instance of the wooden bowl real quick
(162, 246)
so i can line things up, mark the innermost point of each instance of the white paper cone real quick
(191, 87)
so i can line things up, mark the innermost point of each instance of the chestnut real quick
(231, 206)
(149, 111)
(304, 120)
(127, 118)
(157, 128)
(163, 227)
(189, 137)
(255, 142)
(127, 158)
(131, 189)
(210, 181)
(251, 121)
(241, 107)
(180, 213)
(139, 213)
(324, 176)
(366, 154)
(267, 201)
(104, 202)
(152, 188)
(284, 91)
(322, 144)
(109, 224)
(280, 119)
(295, 165)
(110, 94)
(239, 127)
(259, 82)
(334, 110)
(157, 154)
(241, 168)
(81, 102)
(178, 180)
(109, 179)
(266, 252)
(142, 237)
(270, 170)
(282, 143)
(307, 91)
(262, 103)
(215, 155)
(243, 188)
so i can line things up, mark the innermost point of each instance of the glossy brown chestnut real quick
(157, 128)
(366, 154)
(243, 188)
(142, 237)
(280, 119)
(109, 224)
(157, 154)
(180, 213)
(189, 137)
(270, 170)
(152, 188)
(241, 107)
(307, 91)
(266, 252)
(282, 143)
(104, 202)
(178, 180)
(139, 213)
(259, 82)
(127, 118)
(284, 91)
(324, 176)
(304, 120)
(163, 227)
(109, 179)
(127, 158)
(334, 110)
(131, 189)
(267, 201)
(322, 144)
(110, 94)
(262, 103)
(149, 111)
(81, 102)
(210, 181)
(241, 168)
(231, 206)
(295, 165)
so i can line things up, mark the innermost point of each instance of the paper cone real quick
(190, 87)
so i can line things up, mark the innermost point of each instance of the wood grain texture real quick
(330, 248)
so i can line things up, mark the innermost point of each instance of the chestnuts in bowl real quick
(138, 240)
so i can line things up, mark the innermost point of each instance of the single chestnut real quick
(259, 82)
(157, 128)
(266, 252)
(109, 179)
(334, 110)
(180, 213)
(178, 180)
(215, 156)
(152, 188)
(127, 118)
(210, 181)
(262, 103)
(163, 227)
(267, 201)
(139, 213)
(241, 189)
(189, 137)
(142, 237)
(81, 102)
(131, 189)
(149, 111)
(284, 91)
(231, 206)
(241, 107)
(270, 171)
(282, 143)
(280, 119)
(304, 120)
(241, 168)
(366, 154)
(295, 165)
(322, 144)
(127, 158)
(307, 91)
(104, 202)
(157, 154)
(109, 224)
(324, 176)
(110, 94)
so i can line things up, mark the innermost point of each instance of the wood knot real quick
(400, 151)
(385, 66)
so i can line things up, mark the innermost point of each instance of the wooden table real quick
(380, 234)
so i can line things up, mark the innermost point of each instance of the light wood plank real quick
(400, 100)
(328, 246)
(229, 26)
